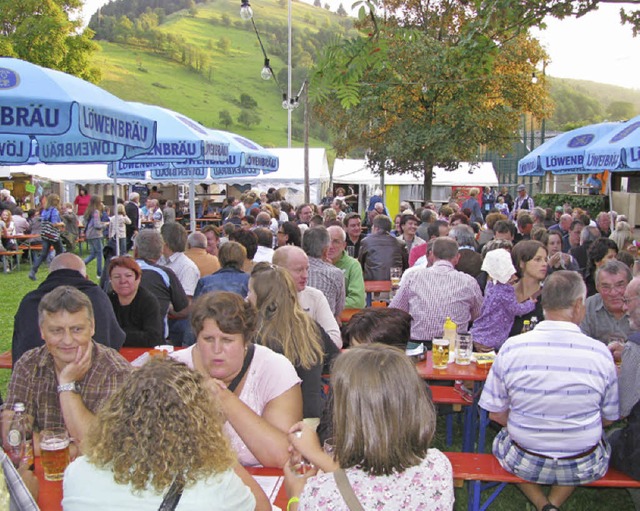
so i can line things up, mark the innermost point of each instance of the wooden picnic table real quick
(50, 496)
(376, 286)
(472, 372)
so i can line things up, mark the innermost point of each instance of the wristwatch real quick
(71, 387)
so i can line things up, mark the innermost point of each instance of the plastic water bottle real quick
(20, 438)
(450, 333)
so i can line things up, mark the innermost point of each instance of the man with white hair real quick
(553, 389)
(353, 279)
(314, 303)
(322, 275)
(624, 442)
(197, 252)
(5, 196)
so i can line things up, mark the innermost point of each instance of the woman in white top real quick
(118, 229)
(162, 430)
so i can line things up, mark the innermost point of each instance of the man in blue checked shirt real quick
(552, 390)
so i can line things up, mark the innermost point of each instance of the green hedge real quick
(593, 204)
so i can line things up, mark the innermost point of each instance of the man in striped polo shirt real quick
(553, 389)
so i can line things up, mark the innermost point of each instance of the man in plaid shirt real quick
(64, 382)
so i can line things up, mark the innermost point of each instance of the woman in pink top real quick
(258, 389)
(81, 202)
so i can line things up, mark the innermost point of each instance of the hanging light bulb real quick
(246, 13)
(534, 78)
(285, 102)
(266, 73)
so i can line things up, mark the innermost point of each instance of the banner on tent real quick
(198, 173)
(129, 174)
(222, 172)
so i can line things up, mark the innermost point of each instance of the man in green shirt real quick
(353, 279)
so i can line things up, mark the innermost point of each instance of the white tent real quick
(480, 174)
(357, 172)
(290, 174)
(81, 174)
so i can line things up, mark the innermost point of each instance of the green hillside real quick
(136, 72)
(158, 65)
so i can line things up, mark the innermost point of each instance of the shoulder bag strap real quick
(173, 495)
(245, 365)
(346, 490)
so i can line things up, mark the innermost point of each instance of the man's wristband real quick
(292, 500)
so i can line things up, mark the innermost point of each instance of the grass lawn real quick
(16, 284)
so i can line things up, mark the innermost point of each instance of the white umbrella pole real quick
(115, 207)
(192, 206)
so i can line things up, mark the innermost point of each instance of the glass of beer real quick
(54, 452)
(440, 353)
(395, 274)
(464, 348)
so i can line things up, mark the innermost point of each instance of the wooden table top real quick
(377, 286)
(50, 496)
(453, 371)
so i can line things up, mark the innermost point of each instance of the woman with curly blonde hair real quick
(286, 328)
(161, 431)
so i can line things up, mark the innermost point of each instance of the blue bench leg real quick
(449, 437)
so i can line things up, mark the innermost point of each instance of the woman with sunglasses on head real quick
(286, 328)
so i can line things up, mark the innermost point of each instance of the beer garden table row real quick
(50, 496)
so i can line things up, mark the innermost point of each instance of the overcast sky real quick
(595, 47)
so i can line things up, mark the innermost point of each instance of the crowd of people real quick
(256, 303)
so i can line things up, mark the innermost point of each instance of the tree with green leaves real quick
(619, 110)
(247, 101)
(341, 11)
(225, 118)
(248, 118)
(47, 34)
(428, 88)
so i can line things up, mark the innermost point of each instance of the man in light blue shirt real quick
(553, 389)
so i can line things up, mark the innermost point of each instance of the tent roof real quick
(83, 173)
(291, 169)
(356, 171)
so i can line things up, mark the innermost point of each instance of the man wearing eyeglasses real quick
(624, 442)
(606, 319)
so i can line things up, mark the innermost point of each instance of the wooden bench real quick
(485, 468)
(6, 259)
(442, 395)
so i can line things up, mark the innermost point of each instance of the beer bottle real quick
(20, 438)
(526, 326)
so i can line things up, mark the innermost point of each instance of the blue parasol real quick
(565, 153)
(52, 117)
(619, 150)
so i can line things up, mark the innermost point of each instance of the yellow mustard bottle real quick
(450, 334)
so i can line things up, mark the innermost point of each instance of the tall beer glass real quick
(440, 353)
(54, 451)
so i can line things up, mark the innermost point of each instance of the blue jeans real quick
(95, 252)
(46, 246)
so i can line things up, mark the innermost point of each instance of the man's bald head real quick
(295, 261)
(282, 255)
(68, 261)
